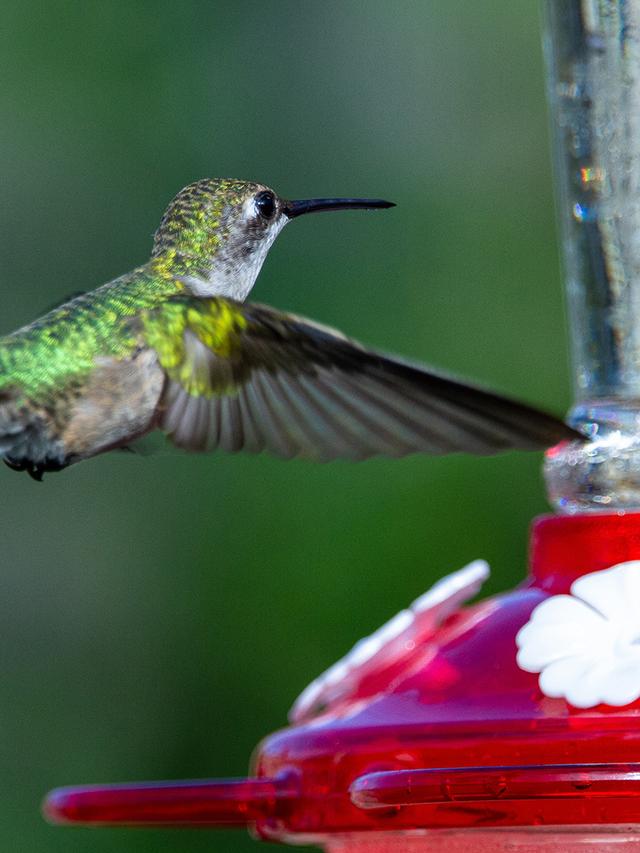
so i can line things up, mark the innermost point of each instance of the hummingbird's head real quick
(216, 232)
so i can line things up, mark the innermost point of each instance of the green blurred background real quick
(159, 615)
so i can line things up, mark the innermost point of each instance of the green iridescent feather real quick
(215, 323)
(61, 348)
(190, 232)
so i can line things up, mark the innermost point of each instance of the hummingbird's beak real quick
(311, 205)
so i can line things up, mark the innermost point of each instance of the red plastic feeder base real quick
(448, 744)
(535, 840)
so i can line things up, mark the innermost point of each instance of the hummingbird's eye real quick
(265, 204)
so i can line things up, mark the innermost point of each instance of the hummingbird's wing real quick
(247, 377)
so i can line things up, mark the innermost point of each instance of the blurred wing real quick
(247, 377)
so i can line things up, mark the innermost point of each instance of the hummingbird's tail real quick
(23, 442)
(12, 422)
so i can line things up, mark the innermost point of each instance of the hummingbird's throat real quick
(233, 269)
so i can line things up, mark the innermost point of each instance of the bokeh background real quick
(159, 615)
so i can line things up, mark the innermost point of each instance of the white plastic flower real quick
(586, 645)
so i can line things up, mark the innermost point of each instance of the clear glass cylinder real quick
(592, 50)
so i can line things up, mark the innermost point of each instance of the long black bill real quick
(311, 205)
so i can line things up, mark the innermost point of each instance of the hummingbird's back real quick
(61, 348)
(60, 364)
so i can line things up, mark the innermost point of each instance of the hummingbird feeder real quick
(513, 723)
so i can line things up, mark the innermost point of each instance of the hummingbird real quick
(173, 346)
